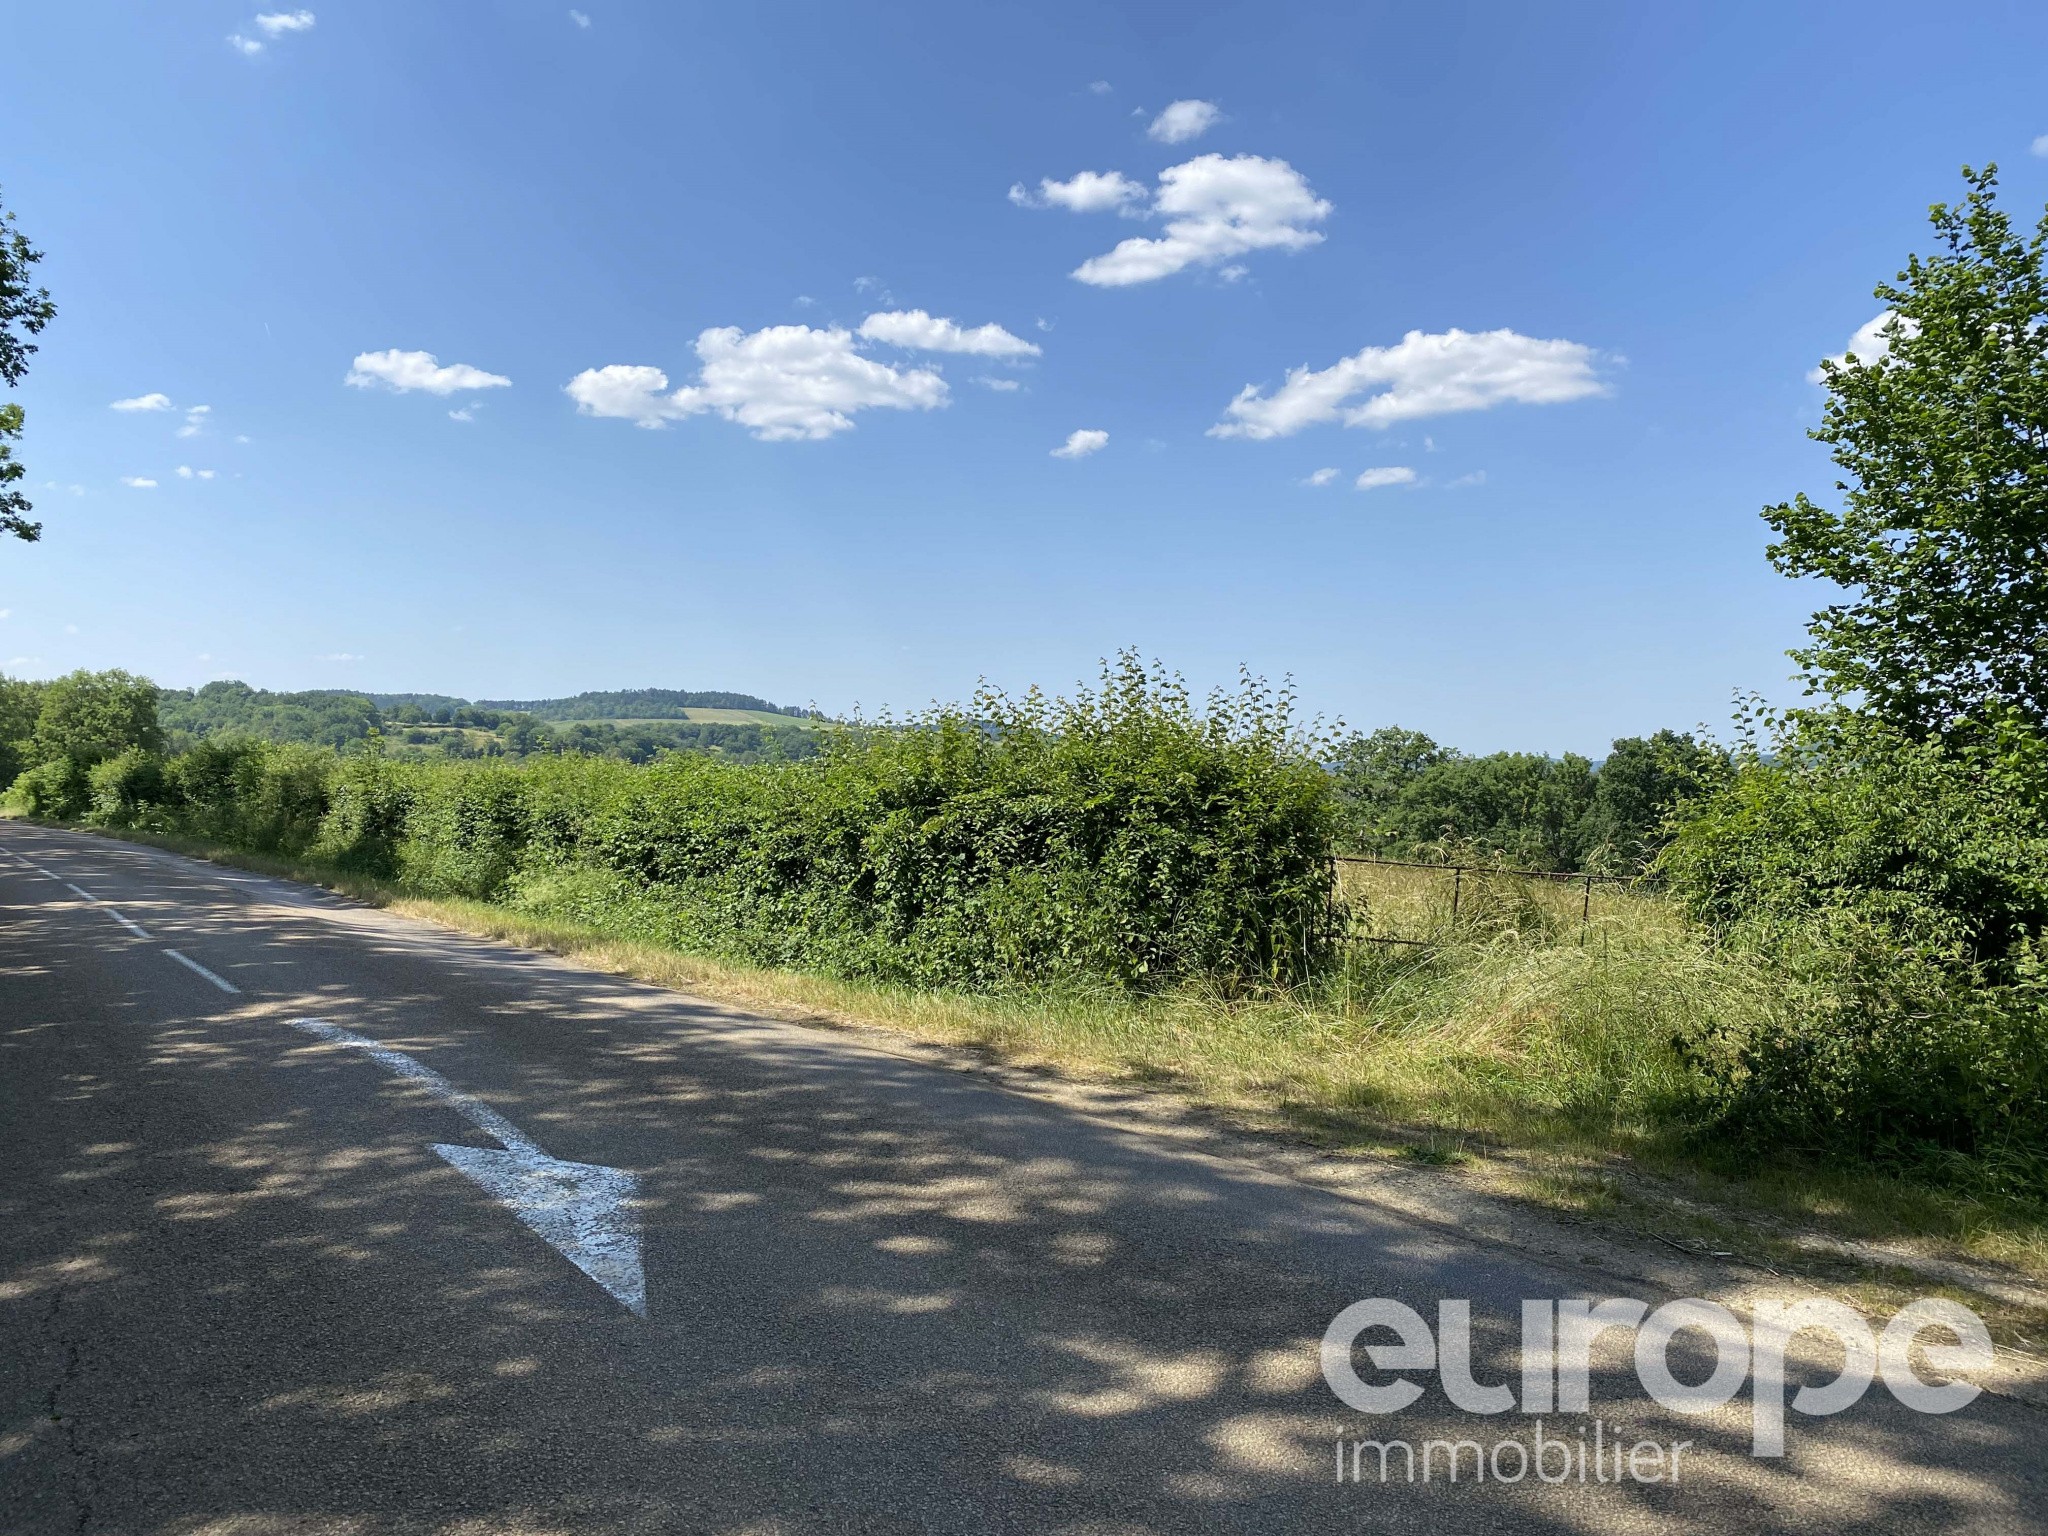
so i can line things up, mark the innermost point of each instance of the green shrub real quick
(368, 801)
(57, 790)
(1120, 836)
(263, 796)
(1899, 887)
(465, 832)
(1940, 843)
(129, 790)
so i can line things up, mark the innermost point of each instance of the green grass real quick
(703, 717)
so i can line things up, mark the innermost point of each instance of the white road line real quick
(134, 928)
(583, 1210)
(193, 965)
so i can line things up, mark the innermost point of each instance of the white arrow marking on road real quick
(583, 1210)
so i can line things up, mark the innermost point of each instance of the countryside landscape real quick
(1125, 1090)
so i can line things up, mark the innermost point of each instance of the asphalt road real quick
(241, 1291)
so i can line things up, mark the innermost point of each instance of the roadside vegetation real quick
(1821, 993)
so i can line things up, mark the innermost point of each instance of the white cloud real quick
(405, 371)
(580, 19)
(17, 663)
(1001, 386)
(195, 420)
(1477, 477)
(1321, 477)
(1871, 344)
(1100, 87)
(624, 391)
(1082, 443)
(1391, 474)
(339, 656)
(187, 472)
(247, 47)
(915, 330)
(1184, 120)
(138, 482)
(2040, 146)
(149, 402)
(1083, 192)
(466, 413)
(1215, 209)
(1421, 375)
(277, 23)
(783, 382)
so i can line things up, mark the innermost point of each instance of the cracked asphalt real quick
(240, 1293)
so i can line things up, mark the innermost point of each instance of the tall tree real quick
(1942, 439)
(89, 717)
(24, 311)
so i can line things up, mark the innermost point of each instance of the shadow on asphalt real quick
(241, 1294)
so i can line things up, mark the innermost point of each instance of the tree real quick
(1638, 786)
(88, 717)
(24, 311)
(1942, 438)
(20, 702)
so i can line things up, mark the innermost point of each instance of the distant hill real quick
(634, 724)
(325, 717)
(426, 701)
(633, 704)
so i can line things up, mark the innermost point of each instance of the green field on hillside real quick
(717, 717)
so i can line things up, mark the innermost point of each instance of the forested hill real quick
(634, 724)
(322, 716)
(629, 704)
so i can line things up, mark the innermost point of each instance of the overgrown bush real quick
(369, 800)
(260, 795)
(1899, 887)
(57, 790)
(1119, 836)
(465, 832)
(128, 790)
(1123, 836)
(1938, 842)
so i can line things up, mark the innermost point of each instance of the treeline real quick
(639, 704)
(433, 726)
(1404, 797)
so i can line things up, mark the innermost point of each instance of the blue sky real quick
(1645, 223)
